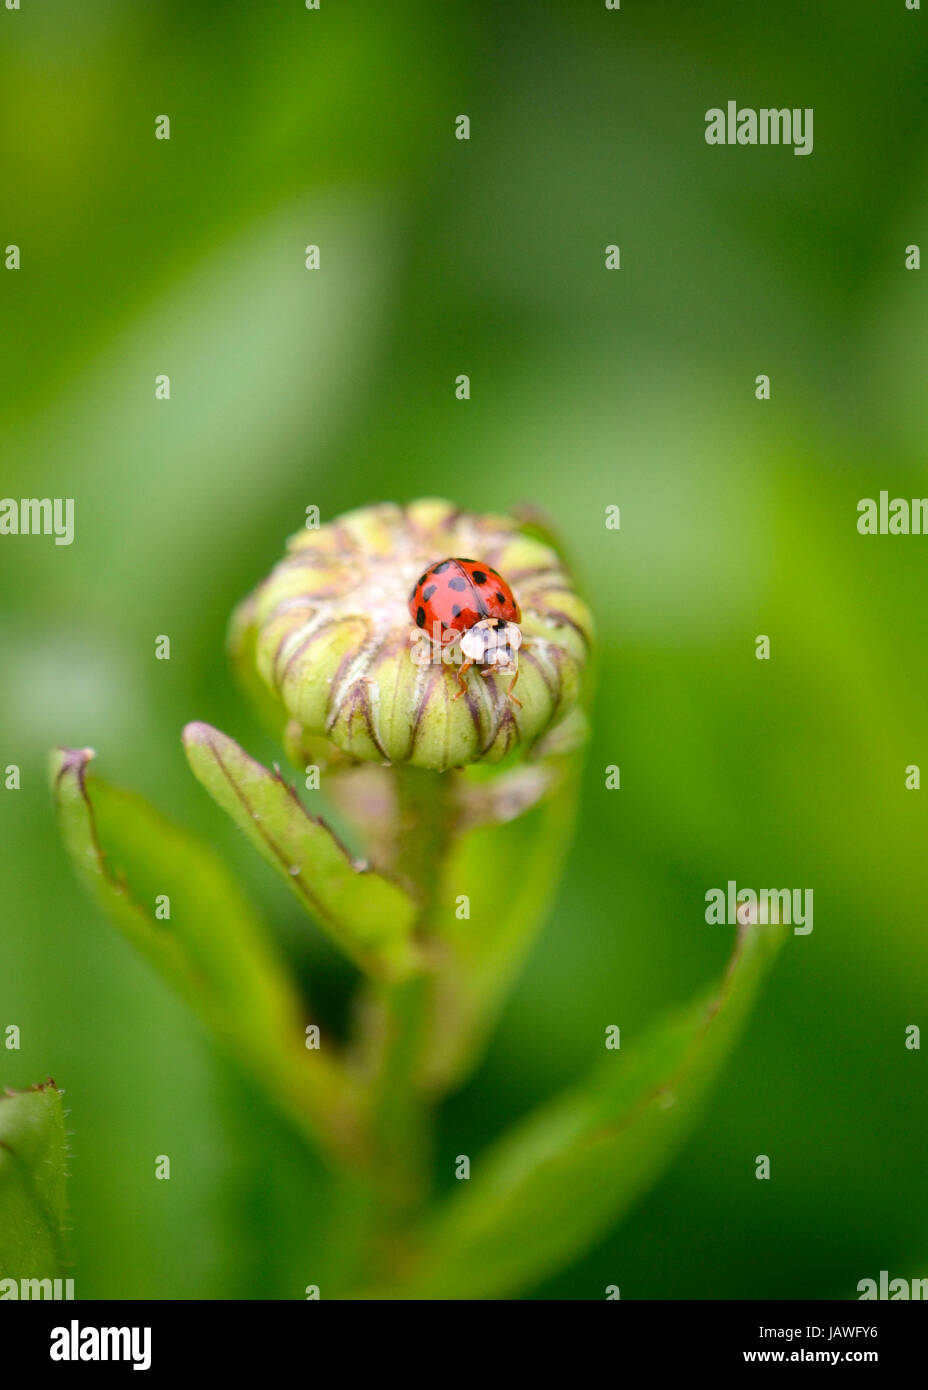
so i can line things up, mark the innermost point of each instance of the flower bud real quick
(334, 643)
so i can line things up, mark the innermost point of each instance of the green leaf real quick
(214, 948)
(561, 1178)
(33, 1171)
(369, 916)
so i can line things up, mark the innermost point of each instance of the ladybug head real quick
(492, 642)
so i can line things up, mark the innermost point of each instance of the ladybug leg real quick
(509, 691)
(461, 681)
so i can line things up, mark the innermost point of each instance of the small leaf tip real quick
(196, 732)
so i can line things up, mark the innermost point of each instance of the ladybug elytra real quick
(467, 599)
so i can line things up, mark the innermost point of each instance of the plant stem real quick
(400, 1127)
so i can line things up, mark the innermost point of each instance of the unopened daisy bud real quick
(336, 645)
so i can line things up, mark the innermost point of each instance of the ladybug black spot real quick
(455, 610)
(437, 569)
(420, 617)
(500, 598)
(479, 577)
(458, 584)
(427, 593)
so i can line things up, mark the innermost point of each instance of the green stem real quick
(400, 1128)
(424, 808)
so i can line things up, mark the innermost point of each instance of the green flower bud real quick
(333, 641)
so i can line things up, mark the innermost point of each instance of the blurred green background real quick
(589, 388)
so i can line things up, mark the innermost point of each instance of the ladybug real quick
(470, 600)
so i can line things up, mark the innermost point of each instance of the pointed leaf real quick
(369, 916)
(561, 1178)
(214, 949)
(33, 1157)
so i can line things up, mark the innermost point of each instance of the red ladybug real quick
(470, 600)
